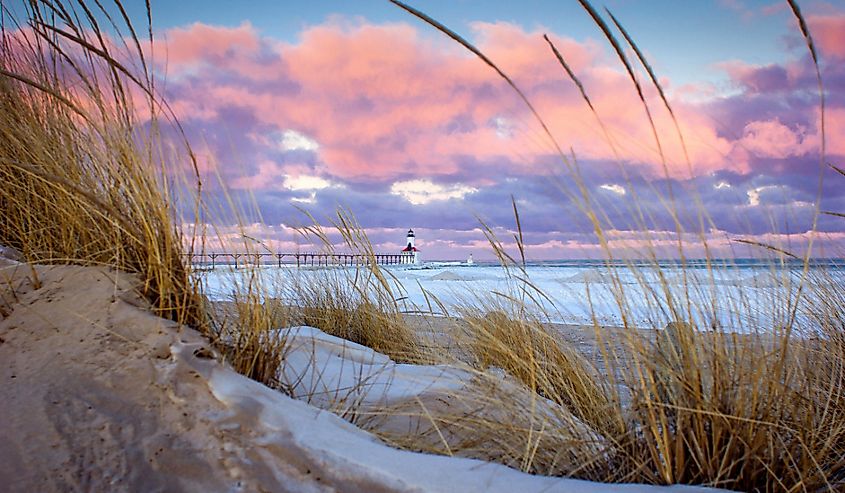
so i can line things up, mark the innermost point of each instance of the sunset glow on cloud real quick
(408, 129)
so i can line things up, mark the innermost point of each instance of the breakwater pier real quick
(242, 259)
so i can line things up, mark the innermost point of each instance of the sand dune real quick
(100, 394)
(96, 400)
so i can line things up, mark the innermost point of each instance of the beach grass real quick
(83, 181)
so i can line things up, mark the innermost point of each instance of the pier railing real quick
(238, 260)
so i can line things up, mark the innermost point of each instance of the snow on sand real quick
(99, 394)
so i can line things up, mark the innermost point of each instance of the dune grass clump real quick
(80, 179)
(527, 350)
(356, 319)
(245, 329)
(358, 303)
(759, 412)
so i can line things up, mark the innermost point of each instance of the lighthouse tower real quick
(410, 254)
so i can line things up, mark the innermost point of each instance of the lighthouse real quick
(410, 254)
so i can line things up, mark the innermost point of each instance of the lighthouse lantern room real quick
(410, 254)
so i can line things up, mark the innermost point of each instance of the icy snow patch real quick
(336, 374)
(348, 454)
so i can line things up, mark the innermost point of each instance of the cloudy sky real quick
(323, 104)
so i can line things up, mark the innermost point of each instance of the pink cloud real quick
(773, 139)
(200, 42)
(383, 102)
(829, 32)
(835, 121)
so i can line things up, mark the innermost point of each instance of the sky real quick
(326, 104)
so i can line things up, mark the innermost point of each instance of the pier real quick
(238, 260)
